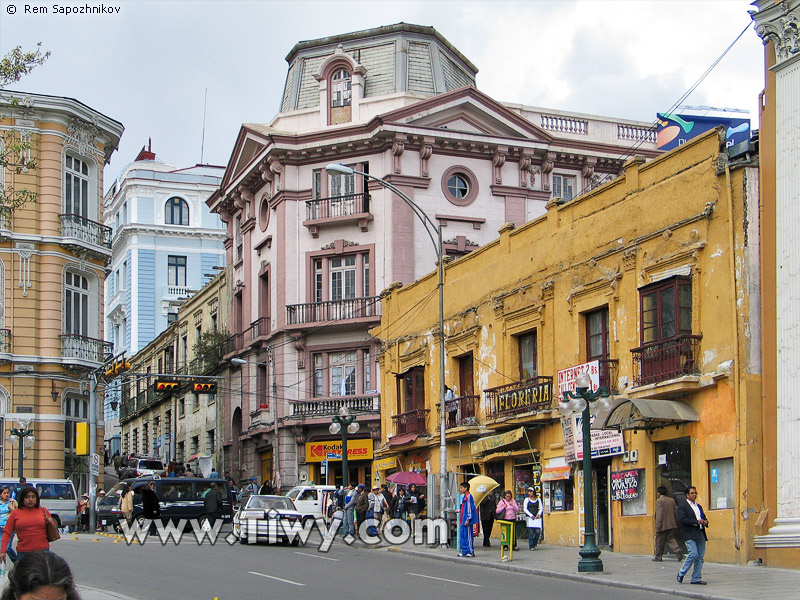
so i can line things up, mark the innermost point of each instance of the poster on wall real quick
(625, 485)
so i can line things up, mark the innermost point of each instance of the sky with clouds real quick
(149, 64)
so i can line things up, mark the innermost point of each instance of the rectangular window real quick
(343, 277)
(343, 373)
(319, 376)
(597, 335)
(181, 407)
(176, 271)
(194, 444)
(76, 187)
(318, 280)
(720, 476)
(185, 349)
(564, 187)
(562, 495)
(180, 451)
(638, 505)
(367, 372)
(342, 185)
(666, 310)
(366, 274)
(76, 304)
(317, 185)
(412, 388)
(527, 356)
(210, 441)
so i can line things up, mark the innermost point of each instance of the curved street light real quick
(431, 228)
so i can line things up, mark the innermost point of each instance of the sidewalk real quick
(88, 593)
(632, 571)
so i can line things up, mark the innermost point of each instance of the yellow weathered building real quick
(651, 283)
(53, 255)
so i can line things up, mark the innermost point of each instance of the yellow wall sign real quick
(332, 450)
(383, 464)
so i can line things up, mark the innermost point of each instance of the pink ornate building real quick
(309, 253)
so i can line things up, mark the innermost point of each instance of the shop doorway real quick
(600, 470)
(674, 466)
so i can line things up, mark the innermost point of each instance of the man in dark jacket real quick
(694, 523)
(213, 504)
(362, 505)
(487, 508)
(666, 524)
(150, 506)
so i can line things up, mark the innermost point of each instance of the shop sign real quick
(605, 442)
(356, 450)
(496, 441)
(385, 464)
(537, 396)
(567, 377)
(555, 473)
(625, 485)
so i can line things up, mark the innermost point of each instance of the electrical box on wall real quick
(626, 456)
(634, 455)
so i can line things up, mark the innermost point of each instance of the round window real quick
(263, 213)
(458, 186)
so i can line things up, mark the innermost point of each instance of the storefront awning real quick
(493, 442)
(554, 473)
(398, 440)
(640, 413)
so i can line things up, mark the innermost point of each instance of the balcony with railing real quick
(350, 208)
(85, 348)
(259, 329)
(86, 231)
(328, 407)
(461, 412)
(5, 341)
(351, 309)
(411, 422)
(532, 395)
(665, 360)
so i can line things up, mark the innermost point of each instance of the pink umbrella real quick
(407, 478)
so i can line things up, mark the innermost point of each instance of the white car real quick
(267, 514)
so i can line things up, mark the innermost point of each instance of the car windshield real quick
(292, 493)
(269, 502)
(155, 465)
(55, 491)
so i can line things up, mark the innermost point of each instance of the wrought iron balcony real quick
(333, 310)
(86, 230)
(531, 395)
(411, 422)
(259, 328)
(667, 359)
(328, 407)
(85, 348)
(461, 411)
(337, 206)
(5, 340)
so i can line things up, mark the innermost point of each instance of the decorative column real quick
(779, 22)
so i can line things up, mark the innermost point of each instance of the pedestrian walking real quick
(213, 504)
(387, 511)
(29, 522)
(507, 509)
(100, 495)
(126, 502)
(532, 509)
(694, 523)
(117, 461)
(416, 502)
(362, 505)
(150, 507)
(266, 488)
(487, 509)
(83, 511)
(467, 519)
(7, 504)
(213, 474)
(40, 575)
(666, 524)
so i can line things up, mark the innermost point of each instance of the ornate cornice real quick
(779, 23)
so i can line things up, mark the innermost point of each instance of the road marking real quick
(316, 556)
(277, 578)
(443, 579)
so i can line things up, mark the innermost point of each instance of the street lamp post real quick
(580, 402)
(346, 423)
(434, 232)
(24, 436)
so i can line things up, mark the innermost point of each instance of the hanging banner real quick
(625, 485)
(491, 442)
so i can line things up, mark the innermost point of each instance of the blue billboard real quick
(676, 129)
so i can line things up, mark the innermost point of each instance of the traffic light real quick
(204, 387)
(82, 439)
(118, 366)
(166, 386)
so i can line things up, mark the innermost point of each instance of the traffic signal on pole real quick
(82, 439)
(118, 366)
(204, 387)
(166, 386)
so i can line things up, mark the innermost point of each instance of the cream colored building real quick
(53, 255)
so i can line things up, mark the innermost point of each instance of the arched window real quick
(340, 88)
(176, 212)
(76, 187)
(76, 304)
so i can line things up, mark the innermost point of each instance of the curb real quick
(589, 578)
(115, 536)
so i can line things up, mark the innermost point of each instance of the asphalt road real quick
(192, 572)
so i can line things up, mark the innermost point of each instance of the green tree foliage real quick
(209, 349)
(15, 149)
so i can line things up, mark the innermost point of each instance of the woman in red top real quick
(29, 523)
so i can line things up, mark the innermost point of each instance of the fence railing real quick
(81, 228)
(461, 411)
(631, 133)
(411, 422)
(85, 348)
(667, 359)
(325, 407)
(333, 310)
(337, 206)
(531, 395)
(565, 124)
(5, 340)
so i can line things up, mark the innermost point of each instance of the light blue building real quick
(166, 245)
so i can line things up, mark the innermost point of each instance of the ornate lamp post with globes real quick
(24, 436)
(580, 401)
(345, 423)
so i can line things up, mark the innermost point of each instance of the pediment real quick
(470, 111)
(250, 143)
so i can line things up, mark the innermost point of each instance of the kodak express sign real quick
(356, 450)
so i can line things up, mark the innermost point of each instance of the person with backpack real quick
(532, 509)
(350, 496)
